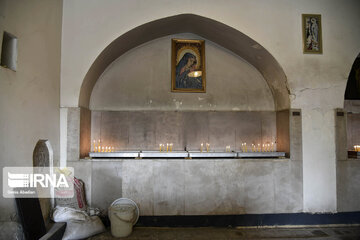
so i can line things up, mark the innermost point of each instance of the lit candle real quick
(171, 145)
(99, 148)
(259, 148)
(272, 146)
(167, 147)
(106, 149)
(94, 142)
(160, 147)
(201, 147)
(245, 147)
(95, 150)
(207, 147)
(242, 147)
(102, 149)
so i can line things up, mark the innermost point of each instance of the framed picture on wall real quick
(188, 66)
(312, 39)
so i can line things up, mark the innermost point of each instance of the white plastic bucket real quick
(123, 214)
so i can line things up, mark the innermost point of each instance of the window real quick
(9, 51)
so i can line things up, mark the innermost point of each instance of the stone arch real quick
(352, 91)
(212, 30)
(43, 157)
(43, 154)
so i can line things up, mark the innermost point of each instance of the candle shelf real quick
(211, 154)
(187, 154)
(119, 154)
(260, 154)
(163, 154)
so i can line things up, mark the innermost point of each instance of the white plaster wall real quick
(140, 80)
(317, 82)
(319, 160)
(29, 97)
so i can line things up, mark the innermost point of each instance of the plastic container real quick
(123, 214)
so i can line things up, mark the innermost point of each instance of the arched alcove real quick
(347, 137)
(352, 105)
(132, 127)
(217, 32)
(261, 124)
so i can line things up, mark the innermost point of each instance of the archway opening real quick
(272, 127)
(137, 131)
(352, 107)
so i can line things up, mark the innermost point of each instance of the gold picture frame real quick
(312, 36)
(188, 66)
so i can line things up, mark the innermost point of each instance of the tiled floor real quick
(142, 233)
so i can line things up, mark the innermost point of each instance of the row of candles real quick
(100, 148)
(169, 146)
(207, 147)
(266, 147)
(357, 148)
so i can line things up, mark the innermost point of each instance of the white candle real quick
(201, 147)
(171, 145)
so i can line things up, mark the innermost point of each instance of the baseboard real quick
(248, 220)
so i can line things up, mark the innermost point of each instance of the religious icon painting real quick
(188, 66)
(312, 39)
